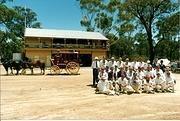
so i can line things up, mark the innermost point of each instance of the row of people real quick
(112, 63)
(130, 79)
(120, 63)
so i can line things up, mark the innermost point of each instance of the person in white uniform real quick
(149, 72)
(114, 86)
(103, 84)
(112, 63)
(127, 63)
(130, 73)
(135, 65)
(170, 81)
(136, 83)
(103, 63)
(141, 76)
(120, 63)
(125, 85)
(158, 70)
(149, 85)
(160, 83)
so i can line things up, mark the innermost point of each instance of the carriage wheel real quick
(55, 70)
(72, 67)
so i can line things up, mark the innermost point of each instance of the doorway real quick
(85, 60)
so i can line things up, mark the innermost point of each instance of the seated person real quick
(149, 85)
(136, 83)
(115, 87)
(121, 72)
(124, 85)
(149, 72)
(141, 76)
(110, 74)
(103, 84)
(158, 70)
(130, 73)
(160, 83)
(170, 81)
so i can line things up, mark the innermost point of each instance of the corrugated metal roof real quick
(53, 33)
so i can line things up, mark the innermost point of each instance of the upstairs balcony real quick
(64, 46)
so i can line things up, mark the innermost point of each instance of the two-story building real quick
(43, 43)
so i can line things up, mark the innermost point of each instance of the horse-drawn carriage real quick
(65, 60)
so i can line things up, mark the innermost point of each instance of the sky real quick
(54, 14)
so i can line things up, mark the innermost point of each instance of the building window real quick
(57, 40)
(83, 41)
(70, 41)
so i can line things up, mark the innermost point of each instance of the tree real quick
(107, 17)
(147, 12)
(141, 44)
(25, 17)
(169, 27)
(4, 1)
(12, 22)
(89, 8)
(168, 45)
(126, 21)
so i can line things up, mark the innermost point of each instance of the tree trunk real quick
(151, 49)
(150, 42)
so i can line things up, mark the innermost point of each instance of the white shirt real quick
(169, 79)
(120, 64)
(94, 64)
(160, 72)
(103, 75)
(140, 74)
(134, 65)
(123, 82)
(101, 64)
(151, 82)
(145, 65)
(112, 64)
(149, 73)
(159, 80)
(141, 64)
(127, 64)
(103, 85)
(129, 74)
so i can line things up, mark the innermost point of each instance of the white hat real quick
(148, 61)
(96, 58)
(112, 58)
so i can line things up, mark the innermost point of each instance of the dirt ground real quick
(70, 97)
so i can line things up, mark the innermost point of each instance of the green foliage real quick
(4, 1)
(122, 47)
(169, 26)
(12, 22)
(141, 44)
(147, 12)
(131, 25)
(168, 49)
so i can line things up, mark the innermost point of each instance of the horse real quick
(9, 63)
(29, 64)
(24, 64)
